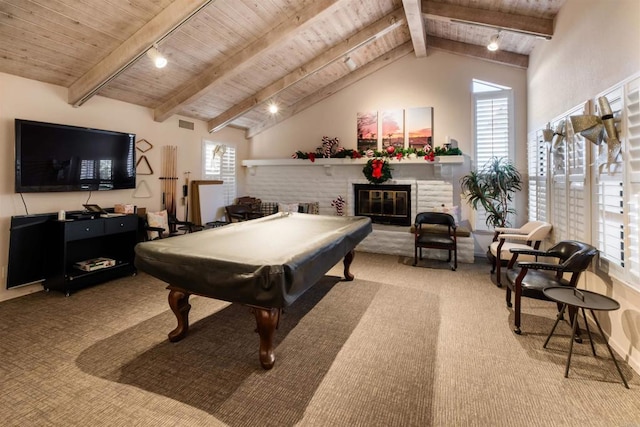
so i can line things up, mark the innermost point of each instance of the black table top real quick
(581, 298)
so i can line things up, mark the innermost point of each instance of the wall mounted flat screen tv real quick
(54, 157)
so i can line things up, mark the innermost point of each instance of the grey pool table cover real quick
(267, 262)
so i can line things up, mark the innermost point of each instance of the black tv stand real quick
(72, 241)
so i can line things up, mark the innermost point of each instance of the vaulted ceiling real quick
(228, 59)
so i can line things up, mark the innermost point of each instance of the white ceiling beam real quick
(204, 82)
(337, 52)
(168, 20)
(507, 21)
(332, 88)
(415, 20)
(474, 51)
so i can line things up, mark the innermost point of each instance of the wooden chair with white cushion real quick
(529, 236)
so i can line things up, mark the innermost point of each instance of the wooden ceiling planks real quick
(236, 55)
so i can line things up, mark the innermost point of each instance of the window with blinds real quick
(609, 189)
(493, 128)
(589, 188)
(219, 163)
(537, 184)
(632, 150)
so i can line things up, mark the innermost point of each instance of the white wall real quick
(595, 46)
(28, 99)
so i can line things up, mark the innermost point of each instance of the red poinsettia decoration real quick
(430, 156)
(312, 157)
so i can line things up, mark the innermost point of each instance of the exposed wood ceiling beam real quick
(336, 86)
(337, 52)
(199, 85)
(168, 20)
(475, 51)
(415, 20)
(507, 21)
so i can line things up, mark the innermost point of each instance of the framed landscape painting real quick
(367, 129)
(420, 127)
(393, 128)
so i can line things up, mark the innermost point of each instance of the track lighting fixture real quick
(350, 63)
(494, 42)
(157, 58)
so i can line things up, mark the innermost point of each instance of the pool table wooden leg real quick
(179, 303)
(266, 321)
(348, 259)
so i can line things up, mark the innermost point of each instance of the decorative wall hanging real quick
(367, 128)
(142, 190)
(599, 128)
(419, 127)
(146, 167)
(143, 145)
(392, 128)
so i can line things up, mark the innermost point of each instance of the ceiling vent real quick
(185, 124)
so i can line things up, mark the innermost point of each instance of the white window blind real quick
(609, 182)
(493, 128)
(632, 149)
(219, 163)
(559, 183)
(577, 196)
(537, 165)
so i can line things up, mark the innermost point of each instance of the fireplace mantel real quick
(442, 164)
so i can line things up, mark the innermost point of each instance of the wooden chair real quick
(529, 279)
(238, 213)
(529, 236)
(435, 230)
(160, 225)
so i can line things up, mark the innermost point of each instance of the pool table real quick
(265, 263)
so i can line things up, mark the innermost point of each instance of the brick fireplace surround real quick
(297, 181)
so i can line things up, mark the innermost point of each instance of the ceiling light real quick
(273, 108)
(157, 58)
(350, 63)
(494, 42)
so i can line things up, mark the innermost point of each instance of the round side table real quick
(581, 300)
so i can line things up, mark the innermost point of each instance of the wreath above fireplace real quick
(377, 171)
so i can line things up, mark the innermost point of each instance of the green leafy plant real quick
(492, 188)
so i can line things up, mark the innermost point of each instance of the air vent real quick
(185, 124)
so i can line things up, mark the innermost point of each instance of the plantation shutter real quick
(609, 182)
(578, 200)
(633, 169)
(559, 186)
(493, 130)
(537, 165)
(221, 167)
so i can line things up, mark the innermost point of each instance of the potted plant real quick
(492, 188)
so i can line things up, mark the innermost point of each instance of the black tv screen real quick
(54, 157)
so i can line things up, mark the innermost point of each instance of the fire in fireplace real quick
(384, 204)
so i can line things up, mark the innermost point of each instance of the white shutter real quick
(609, 182)
(578, 200)
(493, 132)
(537, 163)
(221, 168)
(559, 186)
(632, 150)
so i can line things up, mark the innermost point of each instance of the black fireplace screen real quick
(384, 204)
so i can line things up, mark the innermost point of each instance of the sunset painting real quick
(368, 130)
(420, 127)
(392, 128)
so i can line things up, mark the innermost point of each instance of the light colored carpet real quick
(399, 346)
